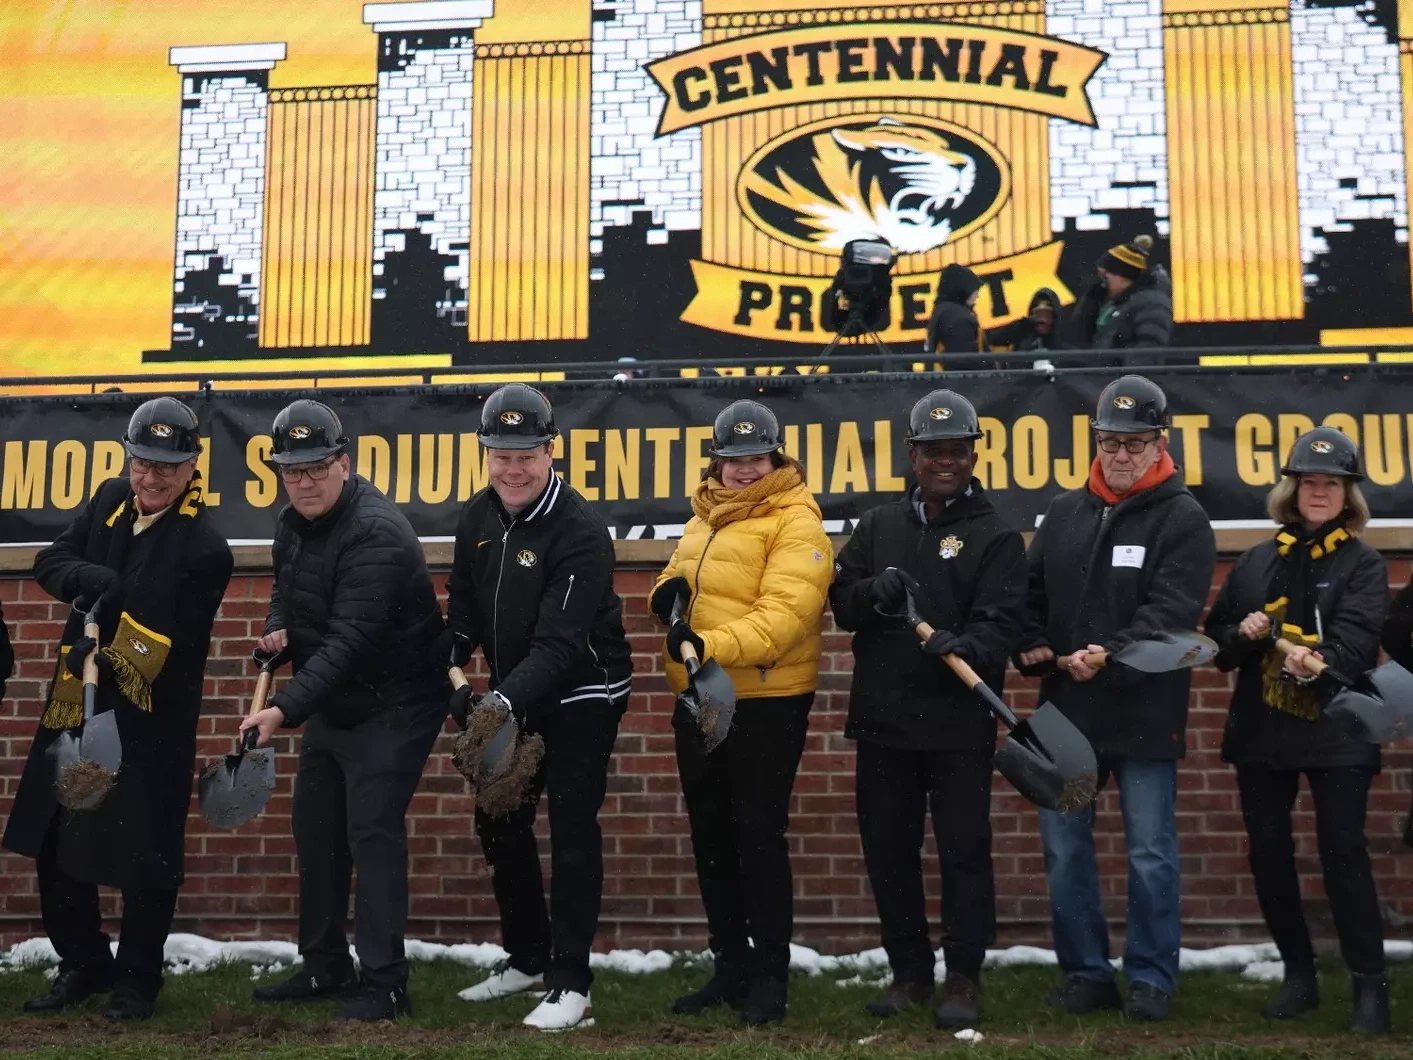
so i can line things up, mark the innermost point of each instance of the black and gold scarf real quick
(143, 639)
(1293, 611)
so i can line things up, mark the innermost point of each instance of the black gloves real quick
(78, 652)
(452, 648)
(91, 581)
(889, 590)
(460, 705)
(942, 643)
(667, 594)
(679, 633)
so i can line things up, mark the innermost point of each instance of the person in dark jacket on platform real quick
(1128, 555)
(532, 587)
(1130, 305)
(145, 550)
(1324, 590)
(1398, 642)
(924, 740)
(953, 327)
(1038, 330)
(354, 607)
(751, 575)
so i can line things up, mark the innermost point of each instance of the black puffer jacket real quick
(971, 566)
(353, 591)
(954, 327)
(1110, 576)
(535, 592)
(1021, 336)
(1142, 317)
(1352, 595)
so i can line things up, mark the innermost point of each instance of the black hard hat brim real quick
(732, 452)
(514, 441)
(1125, 427)
(159, 456)
(306, 456)
(947, 436)
(1333, 472)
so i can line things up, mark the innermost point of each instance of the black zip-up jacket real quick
(1397, 634)
(971, 566)
(1351, 584)
(535, 593)
(1110, 576)
(353, 592)
(1142, 316)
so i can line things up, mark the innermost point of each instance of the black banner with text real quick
(638, 449)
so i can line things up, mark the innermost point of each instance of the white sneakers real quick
(562, 1010)
(504, 981)
(558, 1010)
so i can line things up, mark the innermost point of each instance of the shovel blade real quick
(1376, 709)
(1049, 761)
(499, 754)
(238, 788)
(1165, 652)
(100, 741)
(715, 699)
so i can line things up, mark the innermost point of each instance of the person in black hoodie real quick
(1039, 329)
(953, 327)
(1130, 305)
(532, 587)
(1324, 590)
(354, 606)
(924, 739)
(1126, 556)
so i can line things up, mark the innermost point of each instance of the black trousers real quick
(556, 940)
(351, 793)
(738, 806)
(75, 926)
(1340, 796)
(895, 788)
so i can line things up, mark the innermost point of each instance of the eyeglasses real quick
(153, 467)
(314, 472)
(1133, 445)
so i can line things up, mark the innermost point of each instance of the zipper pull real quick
(565, 606)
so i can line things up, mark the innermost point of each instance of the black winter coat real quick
(1398, 630)
(535, 592)
(7, 654)
(953, 327)
(971, 566)
(1352, 587)
(1142, 316)
(1020, 335)
(353, 592)
(135, 838)
(1110, 576)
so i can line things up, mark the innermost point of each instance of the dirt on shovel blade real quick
(509, 791)
(1077, 793)
(82, 780)
(470, 745)
(707, 718)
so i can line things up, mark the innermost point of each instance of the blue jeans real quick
(1148, 796)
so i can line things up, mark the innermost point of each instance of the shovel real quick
(710, 696)
(1161, 653)
(1046, 758)
(1368, 707)
(496, 757)
(234, 790)
(97, 748)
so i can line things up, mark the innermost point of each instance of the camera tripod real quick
(857, 331)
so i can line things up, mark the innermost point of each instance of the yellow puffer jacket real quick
(759, 565)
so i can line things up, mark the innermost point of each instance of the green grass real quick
(1215, 1017)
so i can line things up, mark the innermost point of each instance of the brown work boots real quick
(957, 1010)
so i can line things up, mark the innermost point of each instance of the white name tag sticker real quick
(1129, 555)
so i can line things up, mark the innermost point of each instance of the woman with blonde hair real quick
(749, 579)
(1318, 586)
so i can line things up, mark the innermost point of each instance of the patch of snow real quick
(969, 1034)
(1264, 971)
(869, 1040)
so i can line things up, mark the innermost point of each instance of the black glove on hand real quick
(452, 648)
(91, 581)
(683, 632)
(942, 643)
(890, 590)
(460, 705)
(78, 652)
(666, 595)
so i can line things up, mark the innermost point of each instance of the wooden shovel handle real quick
(90, 663)
(689, 656)
(1096, 659)
(458, 677)
(972, 680)
(1316, 666)
(262, 692)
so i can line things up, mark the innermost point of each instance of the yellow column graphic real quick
(1405, 59)
(729, 237)
(1231, 160)
(530, 173)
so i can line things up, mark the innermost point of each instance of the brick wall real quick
(243, 884)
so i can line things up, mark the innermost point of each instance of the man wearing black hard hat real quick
(146, 553)
(354, 608)
(925, 742)
(1126, 556)
(532, 587)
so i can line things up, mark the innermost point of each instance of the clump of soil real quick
(504, 786)
(707, 719)
(83, 782)
(212, 767)
(1077, 793)
(509, 791)
(470, 744)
